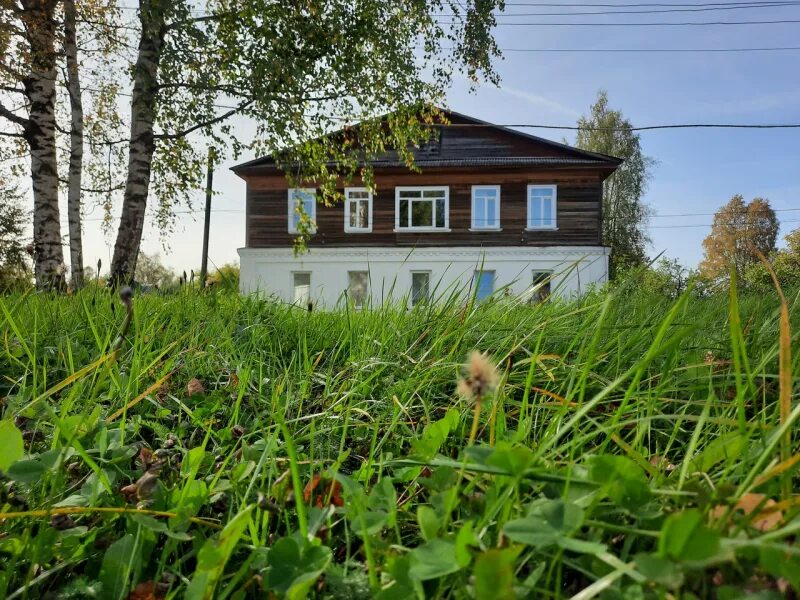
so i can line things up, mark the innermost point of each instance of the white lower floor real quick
(363, 276)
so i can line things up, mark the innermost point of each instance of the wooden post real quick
(207, 224)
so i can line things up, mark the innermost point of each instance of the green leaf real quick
(548, 521)
(118, 564)
(436, 558)
(494, 574)
(434, 435)
(464, 539)
(428, 522)
(512, 459)
(12, 444)
(295, 565)
(157, 526)
(728, 446)
(214, 555)
(623, 480)
(659, 570)
(26, 471)
(685, 537)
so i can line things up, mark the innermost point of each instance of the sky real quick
(697, 170)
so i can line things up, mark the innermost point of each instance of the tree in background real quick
(785, 263)
(225, 278)
(151, 271)
(625, 216)
(296, 71)
(14, 269)
(740, 232)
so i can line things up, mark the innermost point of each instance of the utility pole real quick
(207, 224)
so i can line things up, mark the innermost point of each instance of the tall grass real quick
(636, 446)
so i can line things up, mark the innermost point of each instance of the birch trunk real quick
(75, 146)
(40, 133)
(142, 141)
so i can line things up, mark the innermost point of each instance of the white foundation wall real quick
(269, 272)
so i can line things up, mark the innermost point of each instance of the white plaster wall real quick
(268, 271)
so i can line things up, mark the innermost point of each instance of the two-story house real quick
(492, 209)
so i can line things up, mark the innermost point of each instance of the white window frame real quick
(422, 188)
(350, 296)
(554, 224)
(347, 227)
(535, 297)
(476, 279)
(292, 204)
(294, 286)
(473, 225)
(411, 286)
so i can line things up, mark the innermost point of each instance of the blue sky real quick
(697, 171)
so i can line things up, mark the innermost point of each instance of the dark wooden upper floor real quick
(465, 157)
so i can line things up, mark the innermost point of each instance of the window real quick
(541, 286)
(483, 282)
(420, 286)
(541, 207)
(301, 288)
(357, 210)
(357, 287)
(307, 198)
(485, 207)
(421, 208)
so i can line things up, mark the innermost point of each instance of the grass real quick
(635, 447)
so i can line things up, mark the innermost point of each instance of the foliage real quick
(632, 449)
(740, 232)
(295, 72)
(151, 271)
(625, 216)
(226, 277)
(667, 278)
(785, 263)
(14, 269)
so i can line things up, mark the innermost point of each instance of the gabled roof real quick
(468, 141)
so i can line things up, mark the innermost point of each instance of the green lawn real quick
(634, 447)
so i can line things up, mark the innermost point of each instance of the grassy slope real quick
(622, 422)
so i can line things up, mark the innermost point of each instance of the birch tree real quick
(28, 71)
(625, 215)
(293, 72)
(75, 146)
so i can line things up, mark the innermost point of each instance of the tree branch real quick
(13, 117)
(11, 134)
(215, 120)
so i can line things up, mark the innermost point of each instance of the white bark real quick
(142, 141)
(76, 145)
(40, 133)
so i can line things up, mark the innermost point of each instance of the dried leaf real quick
(147, 590)
(765, 519)
(194, 387)
(330, 491)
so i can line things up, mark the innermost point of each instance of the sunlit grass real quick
(622, 453)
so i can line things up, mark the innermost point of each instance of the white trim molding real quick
(473, 224)
(347, 199)
(434, 215)
(293, 204)
(553, 224)
(266, 271)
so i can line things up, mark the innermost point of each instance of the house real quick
(492, 210)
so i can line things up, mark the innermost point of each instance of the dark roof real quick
(513, 148)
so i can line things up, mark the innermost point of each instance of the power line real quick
(765, 3)
(703, 225)
(504, 15)
(647, 24)
(644, 128)
(713, 214)
(653, 50)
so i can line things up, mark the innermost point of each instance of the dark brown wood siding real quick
(578, 216)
